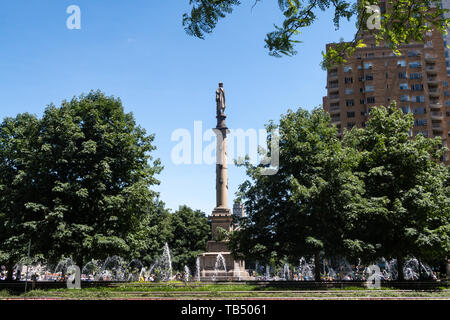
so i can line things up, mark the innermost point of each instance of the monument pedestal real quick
(218, 254)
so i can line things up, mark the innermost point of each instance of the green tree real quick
(405, 22)
(410, 185)
(189, 232)
(77, 182)
(18, 142)
(311, 205)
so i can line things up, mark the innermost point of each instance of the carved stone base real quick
(221, 217)
(235, 270)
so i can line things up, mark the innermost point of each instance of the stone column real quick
(221, 165)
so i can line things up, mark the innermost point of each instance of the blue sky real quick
(137, 50)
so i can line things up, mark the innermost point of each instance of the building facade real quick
(238, 210)
(417, 80)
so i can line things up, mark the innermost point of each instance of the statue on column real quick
(220, 100)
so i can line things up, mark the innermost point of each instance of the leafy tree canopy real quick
(313, 201)
(189, 232)
(406, 178)
(377, 193)
(406, 21)
(77, 182)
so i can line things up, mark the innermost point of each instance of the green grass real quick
(4, 294)
(181, 290)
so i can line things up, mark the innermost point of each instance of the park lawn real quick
(226, 291)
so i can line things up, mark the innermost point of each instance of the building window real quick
(402, 75)
(417, 87)
(350, 125)
(415, 75)
(370, 88)
(348, 80)
(369, 77)
(350, 103)
(420, 122)
(401, 63)
(419, 99)
(405, 109)
(420, 111)
(348, 91)
(414, 53)
(404, 98)
(403, 86)
(368, 65)
(351, 114)
(336, 118)
(371, 100)
(415, 64)
(347, 69)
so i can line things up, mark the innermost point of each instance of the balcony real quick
(433, 80)
(435, 104)
(333, 98)
(435, 115)
(437, 127)
(335, 110)
(431, 70)
(431, 57)
(332, 75)
(435, 92)
(335, 120)
(333, 87)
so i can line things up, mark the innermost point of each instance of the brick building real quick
(417, 80)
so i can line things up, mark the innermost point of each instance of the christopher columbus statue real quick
(220, 99)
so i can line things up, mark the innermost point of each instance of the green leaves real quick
(205, 14)
(79, 181)
(406, 21)
(406, 174)
(376, 193)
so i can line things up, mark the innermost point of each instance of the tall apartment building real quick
(417, 80)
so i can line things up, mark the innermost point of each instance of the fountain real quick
(197, 268)
(116, 269)
(187, 274)
(286, 272)
(134, 270)
(305, 270)
(267, 272)
(220, 260)
(166, 264)
(113, 269)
